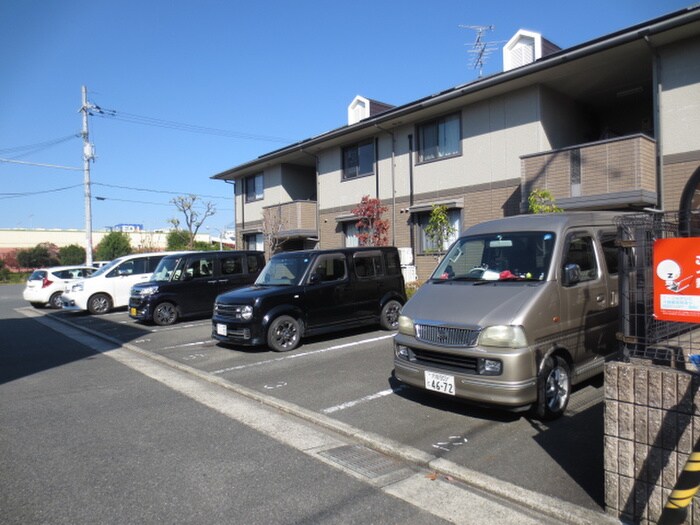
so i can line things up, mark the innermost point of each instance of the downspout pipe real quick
(393, 183)
(656, 102)
(318, 211)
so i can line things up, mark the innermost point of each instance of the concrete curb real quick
(503, 490)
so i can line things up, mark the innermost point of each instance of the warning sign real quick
(677, 279)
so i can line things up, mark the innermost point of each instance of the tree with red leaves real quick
(372, 229)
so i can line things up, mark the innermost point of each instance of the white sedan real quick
(46, 285)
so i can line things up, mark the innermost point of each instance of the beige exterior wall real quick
(680, 97)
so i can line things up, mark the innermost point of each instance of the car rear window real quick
(37, 275)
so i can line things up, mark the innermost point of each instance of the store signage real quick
(677, 279)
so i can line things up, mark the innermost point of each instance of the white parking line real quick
(185, 345)
(303, 354)
(365, 399)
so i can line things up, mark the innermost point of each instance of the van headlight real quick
(503, 336)
(406, 326)
(148, 290)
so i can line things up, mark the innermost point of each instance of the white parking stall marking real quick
(452, 442)
(185, 345)
(179, 326)
(192, 357)
(277, 385)
(302, 354)
(365, 399)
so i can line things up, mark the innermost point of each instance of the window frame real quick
(437, 123)
(255, 196)
(345, 170)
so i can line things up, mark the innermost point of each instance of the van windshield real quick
(498, 257)
(287, 269)
(165, 269)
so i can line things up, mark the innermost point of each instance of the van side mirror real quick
(572, 275)
(314, 278)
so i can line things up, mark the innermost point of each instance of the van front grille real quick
(446, 336)
(460, 363)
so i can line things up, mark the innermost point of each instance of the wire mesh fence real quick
(643, 335)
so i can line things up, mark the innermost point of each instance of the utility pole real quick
(88, 155)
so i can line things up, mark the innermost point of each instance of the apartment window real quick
(350, 231)
(254, 241)
(358, 160)
(427, 244)
(254, 188)
(439, 138)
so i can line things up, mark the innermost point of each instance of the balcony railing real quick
(611, 174)
(293, 219)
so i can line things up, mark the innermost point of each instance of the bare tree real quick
(272, 226)
(194, 218)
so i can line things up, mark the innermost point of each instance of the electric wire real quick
(132, 118)
(32, 193)
(39, 146)
(160, 191)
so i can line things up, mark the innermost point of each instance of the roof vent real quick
(524, 48)
(361, 108)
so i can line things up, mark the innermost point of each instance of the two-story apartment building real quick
(613, 123)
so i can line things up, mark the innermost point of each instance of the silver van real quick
(518, 311)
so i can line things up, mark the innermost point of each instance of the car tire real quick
(283, 334)
(165, 314)
(100, 303)
(389, 318)
(55, 301)
(554, 388)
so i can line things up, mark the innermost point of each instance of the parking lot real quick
(348, 377)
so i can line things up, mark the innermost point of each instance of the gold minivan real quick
(517, 311)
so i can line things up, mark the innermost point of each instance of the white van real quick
(109, 287)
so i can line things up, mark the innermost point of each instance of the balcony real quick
(296, 219)
(610, 174)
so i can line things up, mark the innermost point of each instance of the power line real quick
(170, 204)
(39, 146)
(12, 161)
(160, 191)
(113, 114)
(29, 194)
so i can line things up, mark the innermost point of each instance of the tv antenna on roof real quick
(481, 49)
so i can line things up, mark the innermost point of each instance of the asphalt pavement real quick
(123, 425)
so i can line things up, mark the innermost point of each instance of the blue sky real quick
(266, 73)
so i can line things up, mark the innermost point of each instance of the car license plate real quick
(132, 311)
(221, 329)
(440, 383)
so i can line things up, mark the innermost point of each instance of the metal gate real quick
(643, 336)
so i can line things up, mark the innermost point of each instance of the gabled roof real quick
(624, 57)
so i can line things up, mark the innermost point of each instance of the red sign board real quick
(677, 279)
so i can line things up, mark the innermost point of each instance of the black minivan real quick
(310, 292)
(186, 284)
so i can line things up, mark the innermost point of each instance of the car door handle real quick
(600, 298)
(213, 282)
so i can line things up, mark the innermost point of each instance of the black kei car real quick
(311, 292)
(186, 284)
